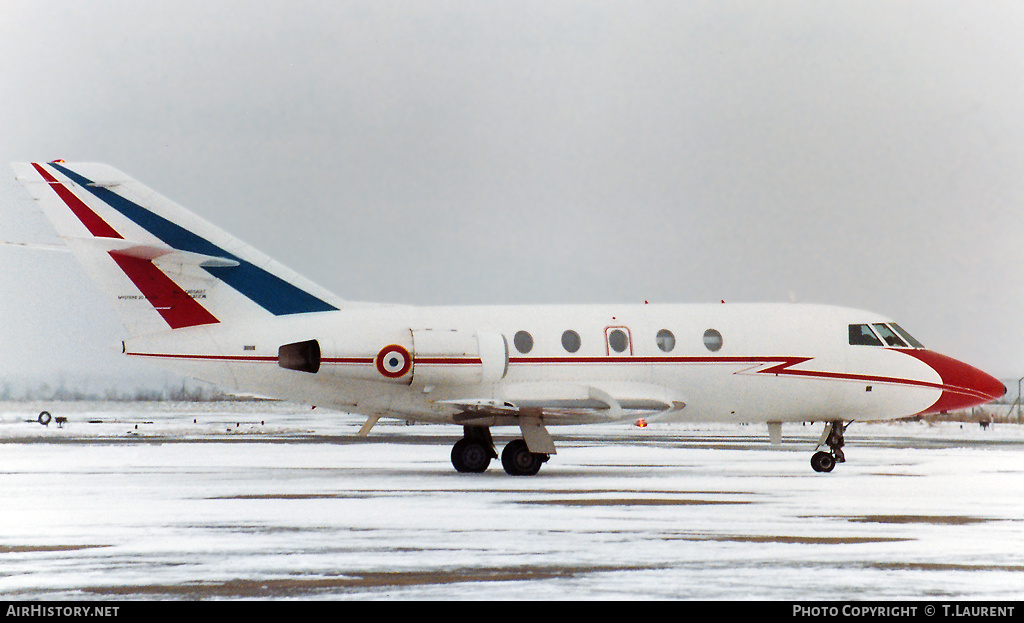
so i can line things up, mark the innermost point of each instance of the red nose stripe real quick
(963, 386)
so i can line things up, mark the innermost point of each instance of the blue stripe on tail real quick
(269, 291)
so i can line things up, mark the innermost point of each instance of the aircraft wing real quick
(570, 403)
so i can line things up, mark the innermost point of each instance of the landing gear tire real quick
(823, 462)
(832, 437)
(517, 459)
(470, 456)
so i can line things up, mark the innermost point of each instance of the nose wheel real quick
(825, 461)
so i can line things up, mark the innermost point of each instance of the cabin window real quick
(618, 340)
(889, 337)
(666, 341)
(906, 336)
(571, 341)
(713, 340)
(862, 335)
(523, 342)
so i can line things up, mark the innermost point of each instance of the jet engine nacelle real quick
(423, 357)
(449, 357)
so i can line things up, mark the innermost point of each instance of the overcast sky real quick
(866, 153)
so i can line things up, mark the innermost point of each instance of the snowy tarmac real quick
(268, 500)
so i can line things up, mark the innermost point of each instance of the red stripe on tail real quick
(92, 221)
(175, 305)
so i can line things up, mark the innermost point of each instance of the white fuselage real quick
(771, 363)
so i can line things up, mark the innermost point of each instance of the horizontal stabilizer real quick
(163, 255)
(159, 255)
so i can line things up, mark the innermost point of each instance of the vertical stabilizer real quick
(161, 266)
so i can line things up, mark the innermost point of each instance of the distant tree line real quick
(989, 414)
(63, 392)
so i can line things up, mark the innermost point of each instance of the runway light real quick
(641, 423)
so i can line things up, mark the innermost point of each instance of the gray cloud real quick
(859, 153)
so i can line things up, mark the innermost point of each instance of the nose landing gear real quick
(832, 437)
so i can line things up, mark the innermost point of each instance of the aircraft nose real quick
(963, 385)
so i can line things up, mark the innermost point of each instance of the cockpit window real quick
(890, 338)
(909, 338)
(892, 334)
(862, 335)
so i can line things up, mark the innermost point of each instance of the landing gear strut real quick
(823, 461)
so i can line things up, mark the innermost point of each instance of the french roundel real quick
(393, 361)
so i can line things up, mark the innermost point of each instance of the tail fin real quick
(162, 266)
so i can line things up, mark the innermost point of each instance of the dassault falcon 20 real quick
(196, 299)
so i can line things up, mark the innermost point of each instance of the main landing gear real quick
(823, 461)
(473, 454)
(517, 459)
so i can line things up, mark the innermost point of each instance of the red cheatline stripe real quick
(783, 366)
(174, 304)
(92, 221)
(968, 393)
(445, 361)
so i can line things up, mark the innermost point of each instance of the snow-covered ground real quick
(243, 500)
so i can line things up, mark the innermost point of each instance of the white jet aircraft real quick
(196, 299)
